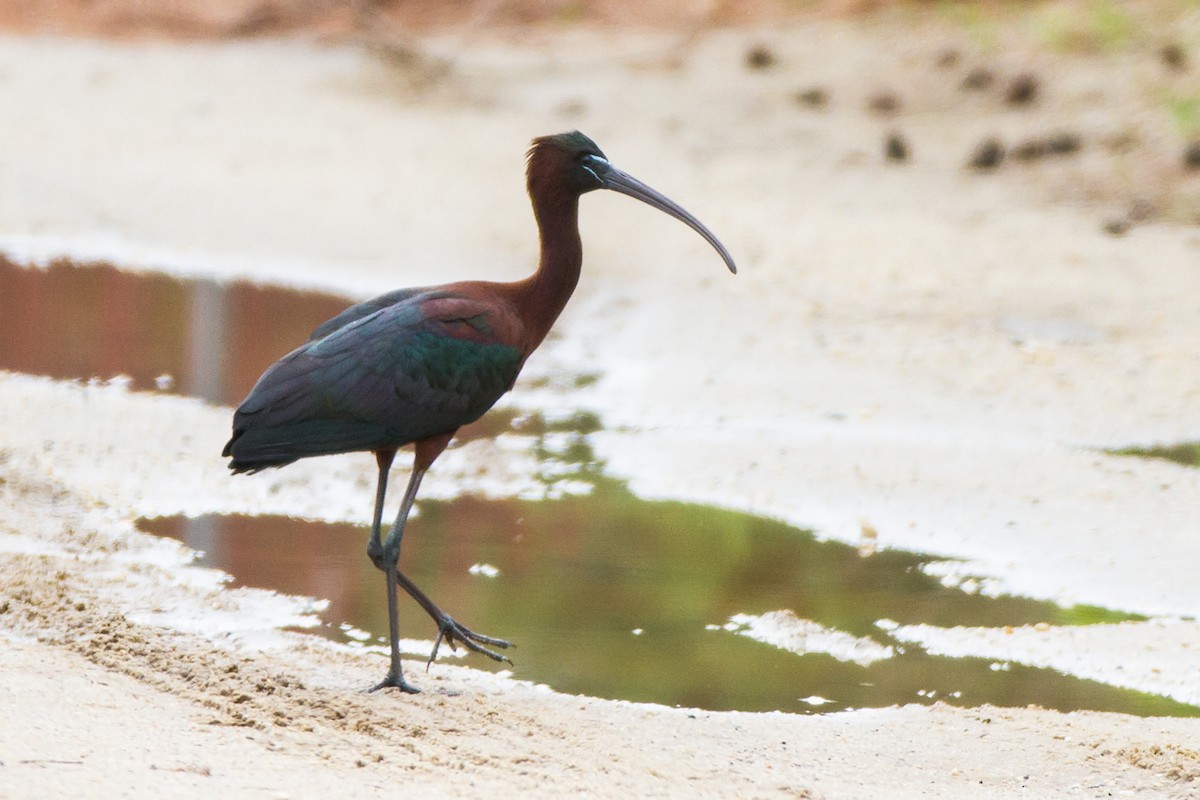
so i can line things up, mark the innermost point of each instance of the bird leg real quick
(451, 631)
(375, 550)
(385, 554)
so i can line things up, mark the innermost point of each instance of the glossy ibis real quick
(413, 365)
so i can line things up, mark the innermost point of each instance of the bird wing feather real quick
(419, 367)
(363, 309)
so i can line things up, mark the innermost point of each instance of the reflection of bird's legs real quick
(385, 554)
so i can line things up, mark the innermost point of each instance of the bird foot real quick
(454, 634)
(397, 682)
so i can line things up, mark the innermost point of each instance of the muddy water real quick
(604, 593)
(201, 338)
(613, 596)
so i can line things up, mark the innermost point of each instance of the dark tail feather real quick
(254, 449)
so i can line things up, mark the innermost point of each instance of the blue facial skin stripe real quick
(591, 158)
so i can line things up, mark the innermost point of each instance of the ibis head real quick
(572, 163)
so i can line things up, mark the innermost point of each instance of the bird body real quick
(387, 376)
(413, 365)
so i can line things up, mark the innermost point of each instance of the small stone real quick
(815, 97)
(1022, 90)
(987, 155)
(884, 103)
(1118, 226)
(895, 147)
(978, 79)
(1064, 143)
(759, 57)
(1191, 155)
(1174, 56)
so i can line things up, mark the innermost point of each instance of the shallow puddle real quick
(197, 337)
(612, 596)
(604, 593)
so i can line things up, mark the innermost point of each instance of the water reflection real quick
(578, 575)
(209, 339)
(206, 340)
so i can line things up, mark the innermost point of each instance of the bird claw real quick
(454, 634)
(397, 682)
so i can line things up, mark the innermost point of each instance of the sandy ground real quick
(938, 353)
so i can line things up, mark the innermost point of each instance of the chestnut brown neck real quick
(545, 293)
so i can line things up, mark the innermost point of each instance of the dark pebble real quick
(759, 57)
(1174, 56)
(813, 98)
(1117, 227)
(895, 147)
(978, 79)
(988, 155)
(1062, 144)
(884, 103)
(1191, 155)
(1056, 144)
(1022, 90)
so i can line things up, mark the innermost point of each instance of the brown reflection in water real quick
(213, 339)
(326, 561)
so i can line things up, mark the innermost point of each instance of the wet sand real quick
(938, 354)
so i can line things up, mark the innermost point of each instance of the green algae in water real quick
(610, 595)
(1185, 453)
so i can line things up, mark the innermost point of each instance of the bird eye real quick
(594, 164)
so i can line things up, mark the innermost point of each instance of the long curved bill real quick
(623, 182)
